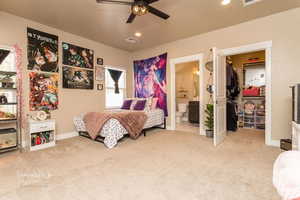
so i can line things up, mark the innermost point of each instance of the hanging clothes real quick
(232, 117)
(233, 90)
(232, 83)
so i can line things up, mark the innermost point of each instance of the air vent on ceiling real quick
(131, 40)
(250, 2)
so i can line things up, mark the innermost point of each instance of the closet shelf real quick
(253, 97)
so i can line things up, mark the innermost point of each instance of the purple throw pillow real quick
(126, 104)
(140, 105)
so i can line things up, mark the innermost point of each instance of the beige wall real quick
(281, 28)
(71, 101)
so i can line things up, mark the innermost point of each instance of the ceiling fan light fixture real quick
(139, 9)
(138, 34)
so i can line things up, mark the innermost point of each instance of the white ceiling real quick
(107, 23)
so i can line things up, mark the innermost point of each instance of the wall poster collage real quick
(42, 53)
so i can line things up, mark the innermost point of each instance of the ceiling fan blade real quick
(151, 1)
(158, 13)
(131, 18)
(115, 2)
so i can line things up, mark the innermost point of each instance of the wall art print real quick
(77, 78)
(150, 79)
(43, 91)
(99, 73)
(42, 51)
(77, 56)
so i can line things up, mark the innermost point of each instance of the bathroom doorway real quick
(187, 94)
(187, 81)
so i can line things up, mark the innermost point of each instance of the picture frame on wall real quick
(99, 73)
(100, 86)
(99, 61)
(42, 51)
(77, 56)
(77, 78)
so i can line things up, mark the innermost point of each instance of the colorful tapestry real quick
(43, 91)
(150, 79)
(42, 51)
(76, 56)
(77, 78)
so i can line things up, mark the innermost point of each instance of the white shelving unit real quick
(42, 134)
(9, 127)
(255, 120)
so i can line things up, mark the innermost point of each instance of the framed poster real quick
(77, 56)
(100, 86)
(43, 91)
(76, 78)
(100, 73)
(42, 51)
(99, 61)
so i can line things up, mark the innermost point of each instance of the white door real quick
(219, 97)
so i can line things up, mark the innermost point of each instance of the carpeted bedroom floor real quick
(165, 165)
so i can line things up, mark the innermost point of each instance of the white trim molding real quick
(173, 62)
(267, 46)
(64, 136)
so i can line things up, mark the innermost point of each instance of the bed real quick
(113, 131)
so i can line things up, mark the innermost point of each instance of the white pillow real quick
(148, 104)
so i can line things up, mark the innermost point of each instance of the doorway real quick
(220, 96)
(246, 93)
(192, 97)
(187, 82)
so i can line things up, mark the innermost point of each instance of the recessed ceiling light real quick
(226, 2)
(138, 34)
(131, 40)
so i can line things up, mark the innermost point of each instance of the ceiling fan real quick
(138, 8)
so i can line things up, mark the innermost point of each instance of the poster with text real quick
(43, 91)
(77, 56)
(42, 51)
(150, 80)
(77, 78)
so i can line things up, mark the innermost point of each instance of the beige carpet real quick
(162, 166)
(187, 127)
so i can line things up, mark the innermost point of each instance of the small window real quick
(113, 100)
(8, 65)
(8, 60)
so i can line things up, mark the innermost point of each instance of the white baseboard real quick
(64, 136)
(274, 143)
(169, 128)
(23, 144)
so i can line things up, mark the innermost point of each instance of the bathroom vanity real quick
(194, 111)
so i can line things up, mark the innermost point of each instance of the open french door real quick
(219, 96)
